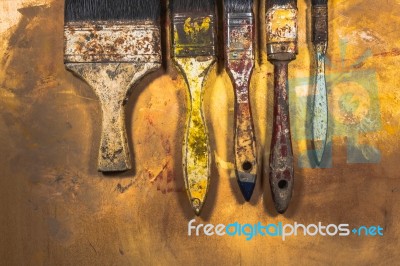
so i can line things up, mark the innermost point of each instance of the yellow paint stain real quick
(282, 25)
(192, 28)
(196, 144)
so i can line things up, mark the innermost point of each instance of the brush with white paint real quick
(320, 103)
(111, 44)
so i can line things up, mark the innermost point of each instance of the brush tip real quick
(192, 6)
(238, 6)
(106, 10)
(319, 2)
(271, 3)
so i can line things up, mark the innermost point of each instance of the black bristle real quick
(185, 6)
(105, 10)
(271, 3)
(319, 2)
(238, 6)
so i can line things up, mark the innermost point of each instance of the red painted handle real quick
(281, 157)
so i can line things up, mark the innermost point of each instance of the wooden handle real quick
(281, 157)
(245, 150)
(245, 145)
(111, 83)
(196, 150)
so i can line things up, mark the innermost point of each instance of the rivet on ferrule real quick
(240, 36)
(193, 35)
(282, 32)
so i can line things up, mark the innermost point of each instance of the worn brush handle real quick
(320, 103)
(240, 36)
(196, 150)
(245, 145)
(281, 157)
(111, 83)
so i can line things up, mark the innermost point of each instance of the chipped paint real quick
(320, 105)
(281, 157)
(193, 47)
(112, 42)
(111, 57)
(240, 64)
(196, 150)
(320, 102)
(193, 35)
(281, 25)
(111, 83)
(282, 28)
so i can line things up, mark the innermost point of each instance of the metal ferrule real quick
(282, 32)
(240, 36)
(319, 24)
(110, 41)
(193, 35)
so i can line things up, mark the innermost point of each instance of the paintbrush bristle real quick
(106, 10)
(238, 6)
(193, 6)
(319, 2)
(271, 3)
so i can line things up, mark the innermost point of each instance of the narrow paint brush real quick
(281, 19)
(111, 44)
(193, 51)
(320, 103)
(239, 54)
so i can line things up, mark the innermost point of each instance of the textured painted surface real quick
(282, 29)
(196, 148)
(193, 44)
(281, 176)
(112, 82)
(240, 37)
(193, 35)
(282, 38)
(57, 210)
(88, 48)
(112, 42)
(320, 101)
(320, 105)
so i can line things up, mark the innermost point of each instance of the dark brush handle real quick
(281, 157)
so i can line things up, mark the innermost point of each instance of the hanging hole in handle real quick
(247, 166)
(283, 184)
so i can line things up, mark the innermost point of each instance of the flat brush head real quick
(319, 2)
(193, 6)
(238, 6)
(271, 3)
(106, 10)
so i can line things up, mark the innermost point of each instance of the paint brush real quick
(194, 53)
(320, 103)
(281, 19)
(239, 55)
(111, 44)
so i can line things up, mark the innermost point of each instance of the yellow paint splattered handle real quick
(196, 150)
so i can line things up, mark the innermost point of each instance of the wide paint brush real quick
(111, 44)
(320, 103)
(193, 51)
(281, 19)
(239, 61)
